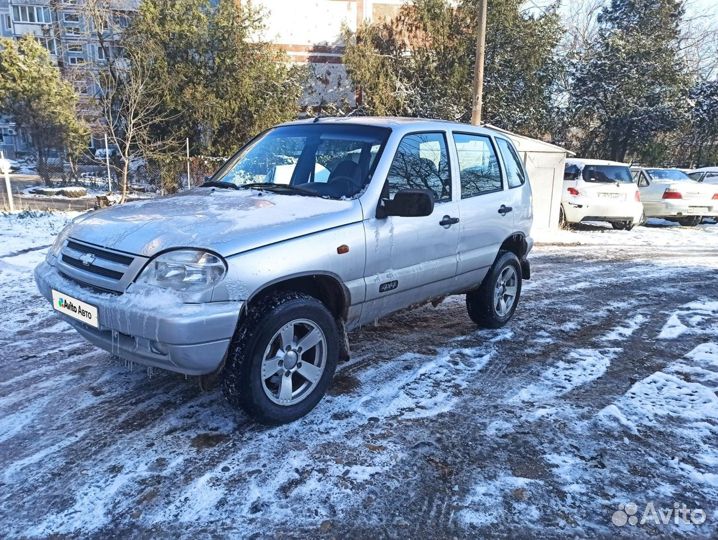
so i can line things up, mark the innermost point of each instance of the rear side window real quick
(571, 172)
(515, 174)
(478, 165)
(422, 162)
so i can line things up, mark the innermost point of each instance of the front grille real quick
(99, 267)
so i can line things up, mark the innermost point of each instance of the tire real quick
(690, 221)
(562, 222)
(255, 379)
(622, 225)
(482, 303)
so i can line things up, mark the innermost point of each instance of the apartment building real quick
(310, 32)
(78, 37)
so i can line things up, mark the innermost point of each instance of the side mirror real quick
(409, 203)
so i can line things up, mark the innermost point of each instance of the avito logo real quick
(69, 306)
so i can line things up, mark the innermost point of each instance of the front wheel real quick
(283, 358)
(493, 304)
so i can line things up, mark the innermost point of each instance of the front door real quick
(410, 259)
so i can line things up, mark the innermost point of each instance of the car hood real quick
(225, 221)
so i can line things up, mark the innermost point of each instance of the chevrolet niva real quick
(313, 228)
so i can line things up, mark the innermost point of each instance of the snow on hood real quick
(225, 221)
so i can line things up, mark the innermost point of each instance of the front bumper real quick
(187, 338)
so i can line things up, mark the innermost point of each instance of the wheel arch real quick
(326, 287)
(517, 244)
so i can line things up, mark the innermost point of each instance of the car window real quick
(478, 165)
(327, 160)
(667, 174)
(571, 172)
(515, 174)
(421, 162)
(695, 176)
(607, 174)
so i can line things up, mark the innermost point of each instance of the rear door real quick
(516, 179)
(485, 207)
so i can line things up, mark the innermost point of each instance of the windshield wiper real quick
(281, 188)
(214, 183)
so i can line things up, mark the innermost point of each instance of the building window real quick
(71, 17)
(31, 14)
(101, 53)
(72, 30)
(74, 48)
(8, 22)
(49, 43)
(76, 60)
(123, 21)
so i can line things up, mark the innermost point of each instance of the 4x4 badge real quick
(388, 286)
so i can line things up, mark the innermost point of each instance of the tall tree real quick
(630, 87)
(420, 63)
(39, 100)
(220, 84)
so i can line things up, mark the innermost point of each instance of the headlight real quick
(183, 270)
(54, 251)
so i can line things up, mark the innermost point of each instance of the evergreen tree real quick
(220, 84)
(703, 144)
(421, 63)
(39, 100)
(631, 86)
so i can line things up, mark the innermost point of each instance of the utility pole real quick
(5, 170)
(189, 183)
(479, 66)
(107, 163)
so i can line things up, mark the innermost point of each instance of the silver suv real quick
(310, 230)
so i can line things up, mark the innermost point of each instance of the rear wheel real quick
(690, 221)
(562, 221)
(283, 358)
(622, 225)
(493, 304)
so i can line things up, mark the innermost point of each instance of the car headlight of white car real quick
(54, 251)
(184, 270)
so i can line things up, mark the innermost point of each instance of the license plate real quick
(698, 209)
(77, 309)
(610, 195)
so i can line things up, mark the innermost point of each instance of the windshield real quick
(667, 174)
(327, 160)
(607, 173)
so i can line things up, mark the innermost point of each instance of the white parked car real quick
(707, 175)
(671, 194)
(598, 190)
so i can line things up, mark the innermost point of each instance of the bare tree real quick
(128, 96)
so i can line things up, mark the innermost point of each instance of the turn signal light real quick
(573, 191)
(715, 196)
(672, 194)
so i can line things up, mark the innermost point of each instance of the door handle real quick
(448, 221)
(503, 210)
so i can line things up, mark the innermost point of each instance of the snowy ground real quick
(600, 393)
